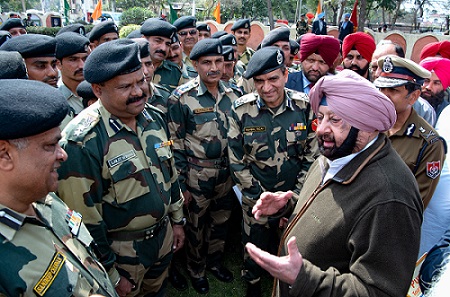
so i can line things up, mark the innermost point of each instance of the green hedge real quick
(51, 31)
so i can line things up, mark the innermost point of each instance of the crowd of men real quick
(338, 162)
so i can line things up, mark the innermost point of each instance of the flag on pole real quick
(216, 13)
(319, 8)
(66, 11)
(173, 14)
(354, 16)
(97, 11)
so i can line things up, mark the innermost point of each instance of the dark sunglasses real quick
(191, 32)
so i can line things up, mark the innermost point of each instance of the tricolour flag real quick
(216, 13)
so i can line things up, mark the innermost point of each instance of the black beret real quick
(70, 43)
(31, 45)
(218, 34)
(76, 28)
(203, 27)
(239, 24)
(156, 27)
(279, 34)
(4, 36)
(206, 47)
(228, 39)
(144, 47)
(135, 34)
(12, 23)
(84, 90)
(186, 21)
(110, 59)
(101, 29)
(29, 107)
(263, 61)
(295, 47)
(12, 66)
(228, 53)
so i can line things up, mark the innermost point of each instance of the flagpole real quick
(193, 8)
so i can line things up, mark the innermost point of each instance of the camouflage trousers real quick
(146, 262)
(207, 217)
(264, 233)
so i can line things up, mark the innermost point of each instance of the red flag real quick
(97, 11)
(354, 16)
(216, 13)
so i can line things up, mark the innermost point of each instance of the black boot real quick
(177, 280)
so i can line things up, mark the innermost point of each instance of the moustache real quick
(135, 99)
(213, 73)
(79, 71)
(161, 52)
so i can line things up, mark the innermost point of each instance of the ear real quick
(58, 64)
(97, 89)
(6, 157)
(286, 74)
(412, 97)
(195, 64)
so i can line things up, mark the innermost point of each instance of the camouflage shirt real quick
(120, 180)
(159, 97)
(246, 55)
(49, 254)
(198, 123)
(271, 151)
(169, 75)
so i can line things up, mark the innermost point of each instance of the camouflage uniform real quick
(159, 97)
(186, 60)
(169, 75)
(423, 150)
(246, 55)
(43, 256)
(269, 151)
(125, 185)
(198, 124)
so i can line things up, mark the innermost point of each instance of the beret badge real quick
(219, 49)
(279, 57)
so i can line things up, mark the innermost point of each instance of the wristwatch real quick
(180, 223)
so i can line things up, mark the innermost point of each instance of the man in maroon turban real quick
(357, 50)
(317, 55)
(434, 88)
(441, 49)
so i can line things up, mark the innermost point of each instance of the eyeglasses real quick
(191, 32)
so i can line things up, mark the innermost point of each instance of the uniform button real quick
(70, 288)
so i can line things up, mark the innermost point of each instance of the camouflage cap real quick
(398, 71)
(228, 53)
(184, 22)
(228, 39)
(263, 61)
(279, 34)
(76, 28)
(203, 27)
(156, 27)
(12, 23)
(241, 24)
(70, 43)
(29, 107)
(31, 45)
(12, 66)
(4, 36)
(101, 29)
(206, 47)
(111, 59)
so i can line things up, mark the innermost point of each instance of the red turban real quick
(441, 48)
(325, 46)
(362, 42)
(440, 66)
(356, 100)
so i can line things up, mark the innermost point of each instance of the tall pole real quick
(193, 8)
(298, 10)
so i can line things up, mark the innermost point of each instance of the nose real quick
(323, 127)
(61, 154)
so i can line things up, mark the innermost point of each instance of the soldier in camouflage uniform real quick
(271, 146)
(160, 35)
(188, 35)
(241, 29)
(176, 56)
(158, 94)
(198, 124)
(46, 249)
(121, 173)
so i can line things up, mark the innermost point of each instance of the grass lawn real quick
(233, 260)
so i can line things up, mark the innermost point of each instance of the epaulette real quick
(296, 95)
(429, 135)
(245, 99)
(79, 127)
(178, 92)
(235, 88)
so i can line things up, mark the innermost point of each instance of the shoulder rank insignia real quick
(244, 99)
(433, 169)
(11, 219)
(410, 130)
(80, 126)
(178, 92)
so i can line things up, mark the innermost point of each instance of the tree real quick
(127, 4)
(136, 15)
